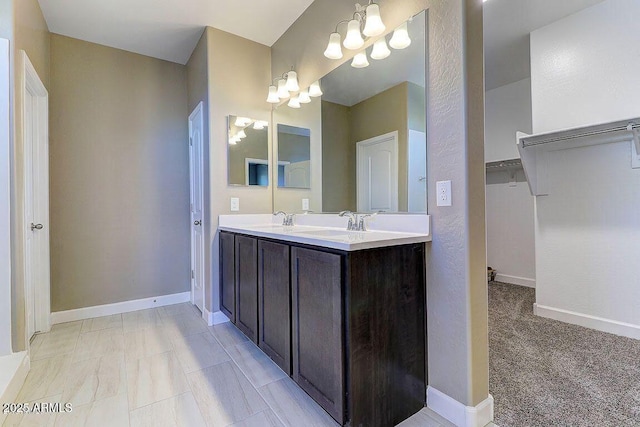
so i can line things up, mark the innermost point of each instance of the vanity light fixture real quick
(283, 92)
(292, 81)
(294, 102)
(273, 97)
(242, 122)
(400, 38)
(241, 134)
(315, 90)
(260, 124)
(360, 60)
(380, 49)
(303, 97)
(364, 16)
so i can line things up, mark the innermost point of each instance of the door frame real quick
(38, 144)
(199, 110)
(5, 201)
(360, 145)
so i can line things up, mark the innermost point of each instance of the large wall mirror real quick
(248, 154)
(372, 144)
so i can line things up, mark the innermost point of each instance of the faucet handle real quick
(289, 219)
(362, 225)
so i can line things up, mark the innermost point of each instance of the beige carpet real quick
(548, 373)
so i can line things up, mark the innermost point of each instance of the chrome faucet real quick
(287, 219)
(353, 220)
(362, 225)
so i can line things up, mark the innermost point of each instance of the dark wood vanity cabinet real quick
(348, 327)
(274, 303)
(246, 264)
(228, 275)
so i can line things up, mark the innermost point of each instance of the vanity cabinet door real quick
(227, 275)
(274, 302)
(247, 286)
(316, 279)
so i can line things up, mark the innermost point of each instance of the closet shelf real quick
(534, 149)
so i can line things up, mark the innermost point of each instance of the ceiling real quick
(507, 24)
(348, 86)
(169, 29)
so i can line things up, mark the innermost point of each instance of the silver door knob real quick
(197, 222)
(36, 226)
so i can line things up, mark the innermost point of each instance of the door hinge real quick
(192, 274)
(190, 141)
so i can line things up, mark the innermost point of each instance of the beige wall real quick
(338, 168)
(456, 259)
(30, 33)
(239, 77)
(383, 113)
(119, 176)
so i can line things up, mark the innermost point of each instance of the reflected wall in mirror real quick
(373, 142)
(248, 153)
(294, 156)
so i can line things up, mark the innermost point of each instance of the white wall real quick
(507, 110)
(510, 225)
(584, 70)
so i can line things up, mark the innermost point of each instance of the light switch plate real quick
(305, 204)
(443, 193)
(235, 204)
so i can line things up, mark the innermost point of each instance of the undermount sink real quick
(325, 233)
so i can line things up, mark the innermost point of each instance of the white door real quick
(35, 127)
(196, 164)
(377, 173)
(417, 173)
(298, 174)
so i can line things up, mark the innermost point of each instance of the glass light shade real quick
(294, 102)
(242, 121)
(354, 39)
(314, 89)
(304, 97)
(334, 50)
(380, 49)
(360, 60)
(241, 134)
(273, 95)
(232, 141)
(400, 39)
(283, 93)
(260, 124)
(292, 81)
(373, 25)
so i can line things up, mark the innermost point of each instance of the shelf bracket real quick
(635, 146)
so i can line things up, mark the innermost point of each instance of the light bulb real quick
(283, 93)
(373, 25)
(303, 97)
(273, 95)
(360, 60)
(294, 102)
(380, 49)
(260, 124)
(232, 141)
(400, 39)
(334, 50)
(241, 134)
(353, 40)
(314, 89)
(292, 81)
(242, 121)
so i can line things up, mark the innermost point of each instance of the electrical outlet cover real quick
(443, 193)
(235, 204)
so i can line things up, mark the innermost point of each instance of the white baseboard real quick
(598, 323)
(118, 308)
(215, 318)
(459, 414)
(515, 280)
(13, 371)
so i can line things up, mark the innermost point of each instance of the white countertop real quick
(327, 237)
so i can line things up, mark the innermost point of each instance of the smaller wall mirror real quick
(294, 157)
(248, 153)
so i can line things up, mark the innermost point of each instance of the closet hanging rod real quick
(631, 127)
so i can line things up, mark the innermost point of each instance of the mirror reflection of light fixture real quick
(292, 81)
(380, 49)
(273, 97)
(373, 24)
(241, 134)
(314, 89)
(260, 124)
(400, 39)
(303, 97)
(360, 60)
(334, 50)
(294, 102)
(283, 93)
(242, 122)
(354, 39)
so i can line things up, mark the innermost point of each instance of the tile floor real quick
(165, 367)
